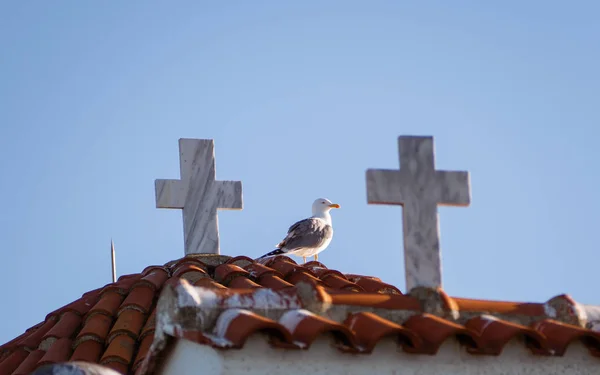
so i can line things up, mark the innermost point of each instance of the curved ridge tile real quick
(373, 284)
(10, 363)
(234, 326)
(30, 363)
(35, 337)
(495, 333)
(268, 261)
(66, 326)
(224, 273)
(499, 307)
(434, 330)
(154, 277)
(336, 280)
(287, 266)
(305, 327)
(369, 329)
(185, 268)
(186, 260)
(257, 270)
(273, 281)
(240, 260)
(560, 335)
(374, 300)
(108, 304)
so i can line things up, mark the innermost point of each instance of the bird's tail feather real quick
(274, 252)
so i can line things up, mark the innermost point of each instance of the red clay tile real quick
(369, 329)
(32, 341)
(68, 324)
(120, 349)
(377, 300)
(186, 263)
(156, 276)
(434, 330)
(30, 363)
(499, 307)
(123, 284)
(88, 351)
(494, 334)
(60, 351)
(143, 350)
(273, 281)
(242, 283)
(10, 364)
(373, 284)
(323, 271)
(80, 306)
(258, 270)
(140, 297)
(224, 273)
(186, 268)
(560, 335)
(14, 342)
(306, 327)
(313, 265)
(336, 281)
(286, 267)
(301, 276)
(149, 326)
(193, 277)
(186, 259)
(129, 322)
(96, 325)
(209, 283)
(236, 325)
(109, 303)
(240, 261)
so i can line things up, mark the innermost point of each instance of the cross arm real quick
(453, 188)
(230, 195)
(169, 193)
(383, 186)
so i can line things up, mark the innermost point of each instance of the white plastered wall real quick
(258, 358)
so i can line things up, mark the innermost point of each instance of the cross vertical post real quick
(419, 189)
(199, 195)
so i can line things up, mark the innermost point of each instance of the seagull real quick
(308, 237)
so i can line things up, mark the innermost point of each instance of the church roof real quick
(115, 325)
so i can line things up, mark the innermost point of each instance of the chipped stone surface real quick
(564, 309)
(419, 189)
(199, 195)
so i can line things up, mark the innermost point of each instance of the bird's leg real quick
(304, 259)
(316, 257)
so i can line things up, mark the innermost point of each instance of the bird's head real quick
(323, 205)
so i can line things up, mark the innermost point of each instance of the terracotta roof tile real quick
(88, 351)
(97, 326)
(67, 325)
(115, 325)
(30, 363)
(60, 351)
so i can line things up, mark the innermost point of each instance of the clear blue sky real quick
(93, 98)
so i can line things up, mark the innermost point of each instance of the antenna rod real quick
(113, 261)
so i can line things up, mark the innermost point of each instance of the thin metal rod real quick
(113, 261)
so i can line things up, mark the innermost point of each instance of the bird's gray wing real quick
(309, 233)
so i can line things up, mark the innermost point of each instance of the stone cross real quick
(199, 195)
(419, 189)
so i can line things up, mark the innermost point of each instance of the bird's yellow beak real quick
(334, 205)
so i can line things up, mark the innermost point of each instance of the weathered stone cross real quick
(199, 195)
(419, 188)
